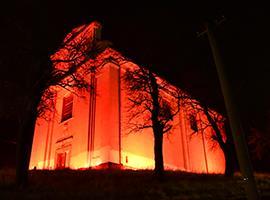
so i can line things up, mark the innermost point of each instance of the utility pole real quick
(234, 117)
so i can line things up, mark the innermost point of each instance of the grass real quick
(127, 184)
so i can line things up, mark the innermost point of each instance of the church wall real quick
(39, 144)
(114, 92)
(97, 130)
(136, 148)
(106, 142)
(214, 154)
(182, 150)
(172, 147)
(69, 136)
(202, 157)
(101, 138)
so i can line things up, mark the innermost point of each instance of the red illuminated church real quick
(88, 129)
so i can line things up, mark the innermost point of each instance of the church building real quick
(87, 129)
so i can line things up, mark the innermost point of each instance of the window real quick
(193, 123)
(67, 108)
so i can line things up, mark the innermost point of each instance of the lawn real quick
(126, 184)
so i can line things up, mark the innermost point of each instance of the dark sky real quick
(162, 37)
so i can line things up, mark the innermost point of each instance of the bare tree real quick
(67, 68)
(220, 135)
(153, 104)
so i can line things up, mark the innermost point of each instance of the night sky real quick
(162, 37)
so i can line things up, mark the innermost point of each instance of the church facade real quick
(88, 129)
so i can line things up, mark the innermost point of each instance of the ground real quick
(127, 184)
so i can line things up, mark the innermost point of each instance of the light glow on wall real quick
(105, 140)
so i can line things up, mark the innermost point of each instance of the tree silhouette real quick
(221, 136)
(153, 104)
(67, 67)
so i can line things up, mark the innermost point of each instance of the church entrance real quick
(61, 160)
(63, 153)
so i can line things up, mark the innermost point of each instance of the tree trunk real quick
(159, 165)
(157, 128)
(226, 147)
(24, 144)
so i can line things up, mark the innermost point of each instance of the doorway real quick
(61, 160)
